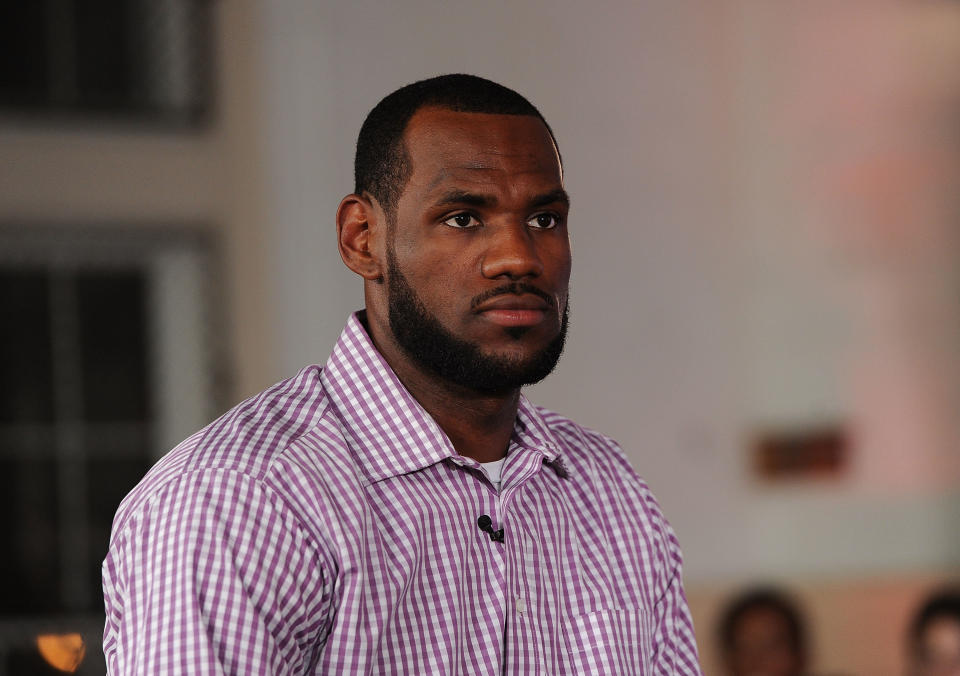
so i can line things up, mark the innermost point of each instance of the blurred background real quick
(765, 296)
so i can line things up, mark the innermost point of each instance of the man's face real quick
(937, 652)
(763, 646)
(478, 258)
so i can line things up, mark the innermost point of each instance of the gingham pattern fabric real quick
(327, 525)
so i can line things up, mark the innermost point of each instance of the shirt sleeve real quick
(675, 645)
(214, 575)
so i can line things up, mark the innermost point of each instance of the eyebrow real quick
(464, 197)
(479, 200)
(558, 195)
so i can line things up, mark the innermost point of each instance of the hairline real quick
(406, 160)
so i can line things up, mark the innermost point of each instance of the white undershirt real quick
(493, 471)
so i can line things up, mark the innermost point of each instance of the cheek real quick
(560, 259)
(424, 255)
(561, 280)
(441, 284)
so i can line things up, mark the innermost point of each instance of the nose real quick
(511, 252)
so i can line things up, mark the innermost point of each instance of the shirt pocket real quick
(609, 642)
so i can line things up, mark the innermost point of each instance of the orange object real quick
(62, 651)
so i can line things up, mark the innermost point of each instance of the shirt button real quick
(521, 605)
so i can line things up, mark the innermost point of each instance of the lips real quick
(511, 310)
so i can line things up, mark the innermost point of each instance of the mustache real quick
(514, 288)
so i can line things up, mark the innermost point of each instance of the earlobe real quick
(356, 221)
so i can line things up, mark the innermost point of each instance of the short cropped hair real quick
(382, 165)
(765, 598)
(944, 603)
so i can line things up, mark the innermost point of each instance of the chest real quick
(423, 589)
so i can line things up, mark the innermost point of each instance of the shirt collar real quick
(390, 432)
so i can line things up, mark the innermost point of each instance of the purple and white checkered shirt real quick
(327, 525)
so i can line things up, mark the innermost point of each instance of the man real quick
(933, 647)
(405, 509)
(762, 633)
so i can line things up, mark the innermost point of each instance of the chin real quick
(520, 350)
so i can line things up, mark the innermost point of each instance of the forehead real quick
(762, 618)
(445, 145)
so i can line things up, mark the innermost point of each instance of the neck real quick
(478, 424)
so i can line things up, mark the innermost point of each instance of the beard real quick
(425, 340)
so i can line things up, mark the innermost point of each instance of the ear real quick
(356, 219)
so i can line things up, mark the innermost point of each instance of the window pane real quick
(105, 69)
(113, 344)
(26, 391)
(30, 570)
(23, 53)
(108, 481)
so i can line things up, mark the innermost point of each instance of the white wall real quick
(703, 304)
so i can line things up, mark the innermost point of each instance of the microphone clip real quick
(485, 524)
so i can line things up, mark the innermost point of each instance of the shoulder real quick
(223, 550)
(601, 482)
(247, 441)
(587, 449)
(596, 463)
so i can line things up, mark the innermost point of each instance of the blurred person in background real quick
(762, 633)
(934, 638)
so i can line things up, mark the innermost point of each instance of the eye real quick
(462, 221)
(544, 221)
